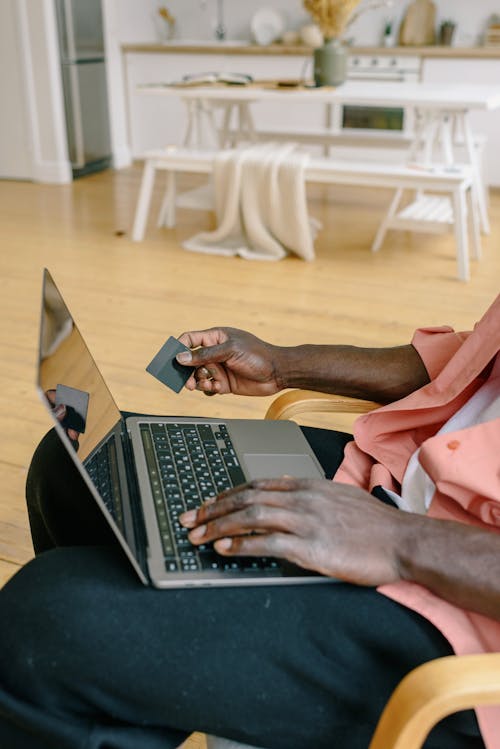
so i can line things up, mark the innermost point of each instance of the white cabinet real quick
(466, 70)
(156, 121)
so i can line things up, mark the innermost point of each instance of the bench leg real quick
(143, 202)
(190, 114)
(460, 228)
(166, 216)
(224, 132)
(386, 221)
(475, 223)
(480, 187)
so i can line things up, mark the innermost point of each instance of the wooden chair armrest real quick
(294, 402)
(432, 691)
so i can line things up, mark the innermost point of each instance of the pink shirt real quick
(464, 465)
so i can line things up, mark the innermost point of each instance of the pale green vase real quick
(330, 63)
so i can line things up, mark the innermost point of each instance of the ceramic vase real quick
(330, 63)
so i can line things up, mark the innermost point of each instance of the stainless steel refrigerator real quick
(83, 63)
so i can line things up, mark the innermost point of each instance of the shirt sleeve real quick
(436, 346)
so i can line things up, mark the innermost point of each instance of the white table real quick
(441, 112)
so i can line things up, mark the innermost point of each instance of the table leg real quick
(475, 224)
(480, 188)
(385, 223)
(188, 135)
(142, 210)
(446, 138)
(460, 228)
(166, 216)
(245, 121)
(226, 124)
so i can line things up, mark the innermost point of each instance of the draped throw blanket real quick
(260, 205)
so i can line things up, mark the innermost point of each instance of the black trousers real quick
(90, 658)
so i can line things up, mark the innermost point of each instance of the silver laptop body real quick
(126, 464)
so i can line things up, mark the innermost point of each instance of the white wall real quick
(33, 141)
(31, 84)
(15, 137)
(138, 20)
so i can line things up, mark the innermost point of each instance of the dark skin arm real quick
(228, 360)
(332, 528)
(342, 531)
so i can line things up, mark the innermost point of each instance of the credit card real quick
(167, 369)
(76, 403)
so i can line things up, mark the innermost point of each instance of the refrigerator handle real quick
(68, 29)
(77, 123)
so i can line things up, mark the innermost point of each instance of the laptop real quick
(143, 472)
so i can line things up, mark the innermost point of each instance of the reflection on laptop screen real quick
(69, 377)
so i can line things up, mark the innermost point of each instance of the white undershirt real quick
(417, 488)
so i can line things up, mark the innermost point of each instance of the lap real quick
(275, 666)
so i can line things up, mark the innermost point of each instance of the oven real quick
(374, 119)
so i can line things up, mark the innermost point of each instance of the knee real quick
(47, 615)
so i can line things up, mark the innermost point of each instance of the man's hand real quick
(60, 414)
(342, 531)
(228, 360)
(332, 528)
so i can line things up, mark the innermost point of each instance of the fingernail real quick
(188, 519)
(197, 533)
(185, 357)
(223, 544)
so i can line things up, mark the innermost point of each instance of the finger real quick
(233, 500)
(281, 545)
(201, 376)
(260, 518)
(51, 396)
(209, 387)
(212, 379)
(283, 483)
(59, 412)
(210, 371)
(209, 337)
(205, 355)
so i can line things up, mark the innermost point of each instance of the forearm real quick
(458, 563)
(380, 374)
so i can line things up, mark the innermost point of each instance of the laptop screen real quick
(68, 376)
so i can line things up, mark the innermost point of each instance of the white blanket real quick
(260, 205)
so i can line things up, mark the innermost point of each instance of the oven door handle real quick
(397, 78)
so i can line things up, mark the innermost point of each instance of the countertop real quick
(280, 49)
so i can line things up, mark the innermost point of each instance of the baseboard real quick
(122, 158)
(53, 172)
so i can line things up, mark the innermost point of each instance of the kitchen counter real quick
(241, 48)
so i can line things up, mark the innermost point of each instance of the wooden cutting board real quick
(419, 24)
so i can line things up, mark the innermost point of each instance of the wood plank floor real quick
(127, 298)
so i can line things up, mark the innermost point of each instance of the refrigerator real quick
(83, 65)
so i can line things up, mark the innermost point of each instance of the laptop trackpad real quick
(273, 466)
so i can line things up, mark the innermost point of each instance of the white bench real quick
(456, 184)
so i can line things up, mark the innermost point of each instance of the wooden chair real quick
(430, 692)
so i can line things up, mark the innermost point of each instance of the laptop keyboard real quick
(187, 464)
(102, 468)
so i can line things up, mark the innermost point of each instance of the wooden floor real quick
(127, 298)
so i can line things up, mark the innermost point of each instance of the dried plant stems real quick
(332, 16)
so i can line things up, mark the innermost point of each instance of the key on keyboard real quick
(102, 468)
(188, 463)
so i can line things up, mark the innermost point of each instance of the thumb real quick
(199, 356)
